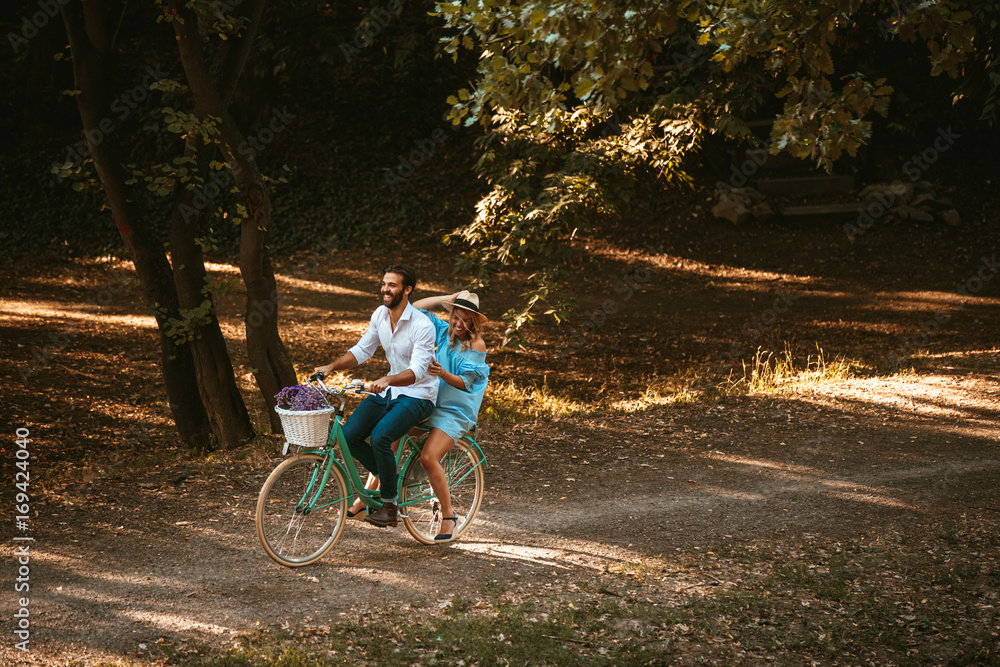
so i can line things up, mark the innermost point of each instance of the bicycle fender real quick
(482, 455)
(413, 456)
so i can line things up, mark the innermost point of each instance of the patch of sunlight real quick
(730, 271)
(770, 373)
(880, 328)
(291, 280)
(763, 463)
(106, 260)
(842, 489)
(936, 395)
(508, 403)
(526, 554)
(732, 494)
(882, 500)
(215, 267)
(927, 300)
(175, 622)
(108, 586)
(21, 310)
(322, 286)
(671, 391)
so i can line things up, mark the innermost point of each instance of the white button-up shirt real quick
(411, 346)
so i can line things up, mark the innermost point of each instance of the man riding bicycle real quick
(404, 397)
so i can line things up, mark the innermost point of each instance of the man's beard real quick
(395, 301)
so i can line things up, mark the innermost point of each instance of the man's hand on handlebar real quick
(379, 385)
(325, 370)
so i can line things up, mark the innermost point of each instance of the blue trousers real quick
(383, 421)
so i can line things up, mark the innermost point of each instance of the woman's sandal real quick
(442, 537)
(353, 513)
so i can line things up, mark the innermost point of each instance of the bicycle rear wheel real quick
(298, 517)
(464, 470)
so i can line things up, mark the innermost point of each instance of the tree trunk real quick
(219, 393)
(223, 402)
(268, 357)
(267, 353)
(84, 24)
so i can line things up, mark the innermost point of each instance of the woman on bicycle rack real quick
(461, 366)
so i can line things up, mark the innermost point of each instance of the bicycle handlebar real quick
(356, 386)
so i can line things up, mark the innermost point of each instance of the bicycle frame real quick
(297, 521)
(409, 447)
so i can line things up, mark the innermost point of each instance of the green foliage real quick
(578, 101)
(183, 123)
(980, 80)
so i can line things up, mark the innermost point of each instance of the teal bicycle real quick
(302, 507)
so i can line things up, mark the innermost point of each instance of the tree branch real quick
(234, 57)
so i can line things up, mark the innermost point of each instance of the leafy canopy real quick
(577, 100)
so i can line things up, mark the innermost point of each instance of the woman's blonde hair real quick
(475, 331)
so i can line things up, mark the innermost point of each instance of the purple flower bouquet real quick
(305, 416)
(301, 398)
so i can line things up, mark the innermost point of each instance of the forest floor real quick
(640, 507)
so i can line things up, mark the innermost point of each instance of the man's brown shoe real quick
(384, 516)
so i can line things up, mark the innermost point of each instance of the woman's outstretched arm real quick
(432, 302)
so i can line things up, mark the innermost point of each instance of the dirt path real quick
(118, 570)
(175, 560)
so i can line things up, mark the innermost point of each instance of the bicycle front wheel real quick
(421, 510)
(299, 517)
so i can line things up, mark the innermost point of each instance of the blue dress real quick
(457, 410)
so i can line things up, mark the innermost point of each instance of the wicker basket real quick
(308, 428)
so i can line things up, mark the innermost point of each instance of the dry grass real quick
(506, 402)
(770, 373)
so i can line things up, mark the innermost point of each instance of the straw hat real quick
(466, 300)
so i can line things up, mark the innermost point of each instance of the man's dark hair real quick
(409, 277)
